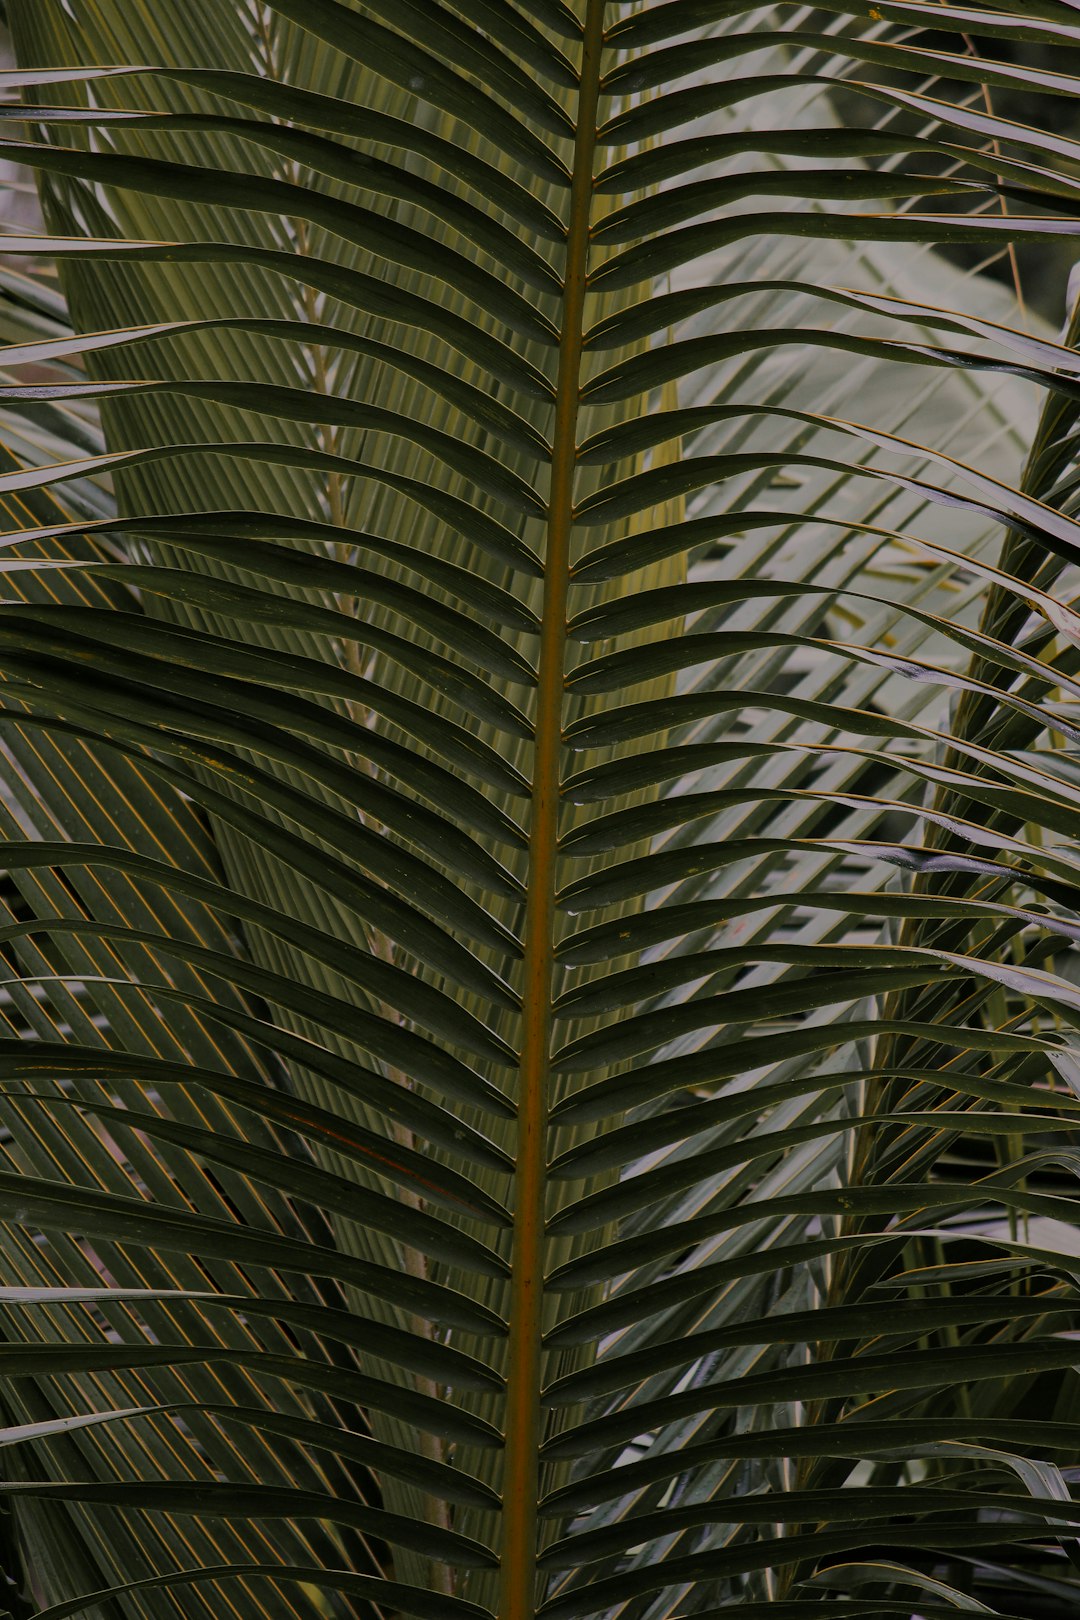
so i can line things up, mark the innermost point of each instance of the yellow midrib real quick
(517, 1594)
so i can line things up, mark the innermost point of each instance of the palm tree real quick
(538, 811)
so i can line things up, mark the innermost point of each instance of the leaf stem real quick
(517, 1599)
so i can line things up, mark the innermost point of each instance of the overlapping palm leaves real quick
(492, 1126)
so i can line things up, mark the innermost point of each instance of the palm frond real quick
(537, 812)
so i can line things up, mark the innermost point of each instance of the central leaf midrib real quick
(517, 1599)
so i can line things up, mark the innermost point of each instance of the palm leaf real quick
(475, 1047)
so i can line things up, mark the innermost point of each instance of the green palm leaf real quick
(488, 1129)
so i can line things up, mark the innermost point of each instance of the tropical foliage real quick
(539, 804)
